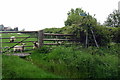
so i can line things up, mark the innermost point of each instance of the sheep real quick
(35, 45)
(19, 33)
(19, 48)
(12, 39)
(60, 42)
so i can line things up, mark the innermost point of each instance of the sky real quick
(33, 15)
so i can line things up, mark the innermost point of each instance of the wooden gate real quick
(22, 37)
(41, 37)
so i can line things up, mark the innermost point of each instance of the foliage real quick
(113, 33)
(113, 19)
(44, 49)
(74, 17)
(82, 24)
(79, 17)
(14, 67)
(78, 62)
(52, 30)
(102, 35)
(117, 35)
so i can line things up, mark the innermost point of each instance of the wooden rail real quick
(50, 34)
(16, 42)
(15, 37)
(28, 46)
(41, 38)
(57, 44)
(42, 35)
(50, 43)
(60, 44)
(60, 39)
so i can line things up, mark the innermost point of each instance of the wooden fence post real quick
(94, 37)
(86, 42)
(40, 38)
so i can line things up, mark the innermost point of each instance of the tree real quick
(74, 17)
(79, 17)
(16, 29)
(113, 19)
(81, 24)
(86, 28)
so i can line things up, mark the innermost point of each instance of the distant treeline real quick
(2, 28)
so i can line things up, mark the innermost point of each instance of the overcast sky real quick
(40, 14)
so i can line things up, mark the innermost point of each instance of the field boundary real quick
(42, 37)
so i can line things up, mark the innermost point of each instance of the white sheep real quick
(35, 45)
(19, 33)
(12, 38)
(60, 42)
(19, 48)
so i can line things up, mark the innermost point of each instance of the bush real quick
(102, 35)
(115, 35)
(78, 62)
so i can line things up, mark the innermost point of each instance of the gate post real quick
(40, 38)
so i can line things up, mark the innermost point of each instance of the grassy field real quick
(14, 67)
(64, 61)
(8, 35)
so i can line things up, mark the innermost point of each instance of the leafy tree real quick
(74, 17)
(113, 19)
(87, 29)
(80, 23)
(79, 17)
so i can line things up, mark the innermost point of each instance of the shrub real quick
(78, 62)
(116, 35)
(102, 35)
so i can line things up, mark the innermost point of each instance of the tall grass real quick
(77, 62)
(14, 67)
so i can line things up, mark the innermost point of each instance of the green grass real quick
(63, 61)
(7, 35)
(0, 66)
(14, 67)
(77, 62)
